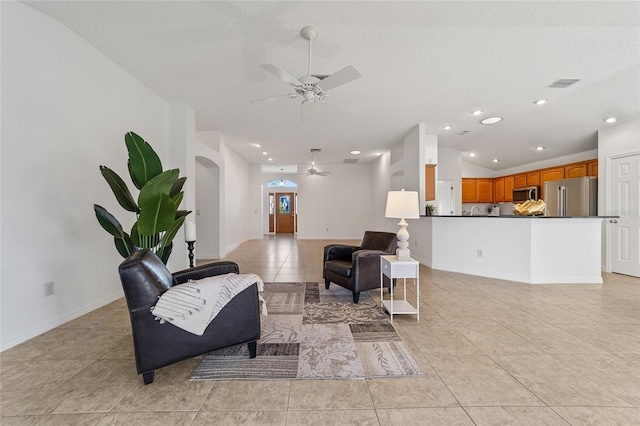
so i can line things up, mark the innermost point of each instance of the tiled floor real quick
(495, 352)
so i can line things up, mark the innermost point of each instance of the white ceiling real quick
(430, 62)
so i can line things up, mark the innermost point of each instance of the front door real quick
(285, 213)
(625, 202)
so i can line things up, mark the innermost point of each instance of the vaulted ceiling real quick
(421, 62)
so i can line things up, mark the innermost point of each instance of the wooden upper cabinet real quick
(575, 170)
(468, 190)
(550, 174)
(498, 190)
(533, 178)
(521, 180)
(592, 168)
(429, 182)
(484, 190)
(509, 184)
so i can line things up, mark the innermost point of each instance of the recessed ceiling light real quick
(447, 127)
(264, 152)
(496, 160)
(355, 152)
(540, 102)
(378, 153)
(491, 120)
(540, 148)
(257, 145)
(472, 154)
(269, 159)
(476, 112)
(610, 120)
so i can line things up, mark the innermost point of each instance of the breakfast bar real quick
(528, 249)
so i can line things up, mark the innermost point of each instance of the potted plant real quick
(431, 209)
(156, 208)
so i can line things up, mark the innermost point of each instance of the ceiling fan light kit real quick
(311, 87)
(313, 171)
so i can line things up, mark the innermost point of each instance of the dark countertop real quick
(531, 217)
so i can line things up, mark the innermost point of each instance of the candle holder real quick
(190, 248)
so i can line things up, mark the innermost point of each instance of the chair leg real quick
(148, 377)
(356, 297)
(253, 349)
(327, 283)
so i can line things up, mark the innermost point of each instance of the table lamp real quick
(190, 239)
(403, 205)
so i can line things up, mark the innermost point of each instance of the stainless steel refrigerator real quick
(571, 197)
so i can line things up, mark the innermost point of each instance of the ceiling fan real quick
(313, 171)
(311, 87)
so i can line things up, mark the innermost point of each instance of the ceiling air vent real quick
(564, 83)
(350, 160)
(315, 149)
(462, 133)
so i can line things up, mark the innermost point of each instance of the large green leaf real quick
(120, 189)
(108, 222)
(144, 163)
(124, 246)
(177, 199)
(161, 183)
(182, 213)
(164, 256)
(157, 214)
(177, 187)
(171, 233)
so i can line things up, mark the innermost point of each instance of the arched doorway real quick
(281, 200)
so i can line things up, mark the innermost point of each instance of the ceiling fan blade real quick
(306, 113)
(339, 78)
(281, 74)
(272, 99)
(323, 173)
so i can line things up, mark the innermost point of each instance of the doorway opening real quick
(281, 207)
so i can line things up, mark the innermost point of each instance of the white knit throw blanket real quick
(194, 304)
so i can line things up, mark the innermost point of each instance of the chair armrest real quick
(339, 252)
(209, 270)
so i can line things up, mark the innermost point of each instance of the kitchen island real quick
(534, 250)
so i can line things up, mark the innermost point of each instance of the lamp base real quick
(190, 248)
(403, 254)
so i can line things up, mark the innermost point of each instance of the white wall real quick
(207, 210)
(236, 203)
(65, 110)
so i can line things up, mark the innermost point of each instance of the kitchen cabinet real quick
(498, 190)
(509, 184)
(546, 175)
(484, 190)
(575, 170)
(533, 178)
(521, 180)
(429, 182)
(468, 190)
(592, 168)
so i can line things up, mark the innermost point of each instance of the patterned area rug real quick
(314, 333)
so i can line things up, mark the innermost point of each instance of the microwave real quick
(521, 195)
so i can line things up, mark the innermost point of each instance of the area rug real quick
(315, 333)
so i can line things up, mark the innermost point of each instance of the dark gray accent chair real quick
(144, 278)
(357, 268)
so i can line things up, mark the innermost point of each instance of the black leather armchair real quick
(357, 268)
(144, 278)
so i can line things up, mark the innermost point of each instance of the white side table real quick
(394, 268)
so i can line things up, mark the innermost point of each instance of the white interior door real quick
(625, 202)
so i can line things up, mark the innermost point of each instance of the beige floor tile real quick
(412, 392)
(453, 416)
(247, 418)
(290, 278)
(477, 380)
(97, 388)
(171, 391)
(329, 394)
(614, 338)
(53, 420)
(247, 396)
(520, 416)
(332, 417)
(552, 339)
(181, 418)
(616, 374)
(439, 339)
(605, 416)
(494, 338)
(555, 383)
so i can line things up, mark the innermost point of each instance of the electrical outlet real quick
(415, 243)
(197, 212)
(49, 288)
(479, 252)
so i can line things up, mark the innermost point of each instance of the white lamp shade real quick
(189, 231)
(402, 205)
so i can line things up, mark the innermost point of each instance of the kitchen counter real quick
(534, 250)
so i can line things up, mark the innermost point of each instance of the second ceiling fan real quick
(312, 88)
